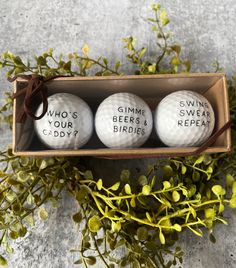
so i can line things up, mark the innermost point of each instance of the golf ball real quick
(123, 120)
(68, 123)
(184, 118)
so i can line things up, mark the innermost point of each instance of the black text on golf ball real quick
(129, 120)
(193, 114)
(60, 124)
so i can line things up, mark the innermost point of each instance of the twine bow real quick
(36, 88)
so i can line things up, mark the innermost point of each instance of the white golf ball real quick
(184, 118)
(68, 123)
(123, 120)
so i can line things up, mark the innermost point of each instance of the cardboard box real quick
(152, 89)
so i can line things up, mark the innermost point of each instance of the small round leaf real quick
(94, 224)
(146, 190)
(3, 261)
(175, 196)
(43, 214)
(128, 189)
(99, 184)
(77, 217)
(142, 233)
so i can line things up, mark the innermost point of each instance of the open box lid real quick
(152, 88)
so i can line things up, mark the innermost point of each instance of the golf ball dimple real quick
(123, 120)
(184, 118)
(68, 123)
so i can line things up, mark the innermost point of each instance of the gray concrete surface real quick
(207, 31)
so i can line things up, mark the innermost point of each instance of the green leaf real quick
(117, 66)
(222, 220)
(146, 190)
(17, 60)
(155, 7)
(192, 190)
(99, 184)
(116, 226)
(105, 61)
(125, 174)
(162, 237)
(142, 53)
(177, 227)
(232, 202)
(218, 190)
(17, 208)
(115, 186)
(142, 180)
(234, 187)
(77, 217)
(43, 214)
(46, 163)
(19, 70)
(196, 176)
(176, 48)
(199, 160)
(152, 68)
(94, 224)
(142, 233)
(67, 66)
(133, 202)
(175, 196)
(88, 175)
(175, 61)
(30, 220)
(197, 232)
(183, 169)
(3, 261)
(210, 213)
(163, 17)
(30, 199)
(148, 217)
(79, 261)
(22, 176)
(166, 185)
(90, 260)
(100, 241)
(212, 238)
(221, 208)
(24, 161)
(22, 232)
(13, 235)
(168, 171)
(127, 189)
(187, 65)
(41, 61)
(81, 194)
(230, 180)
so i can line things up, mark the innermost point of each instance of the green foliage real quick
(166, 52)
(145, 218)
(48, 65)
(5, 111)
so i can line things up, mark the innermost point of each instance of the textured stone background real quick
(207, 31)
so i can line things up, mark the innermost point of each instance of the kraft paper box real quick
(152, 88)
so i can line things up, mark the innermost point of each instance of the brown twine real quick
(198, 151)
(36, 87)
